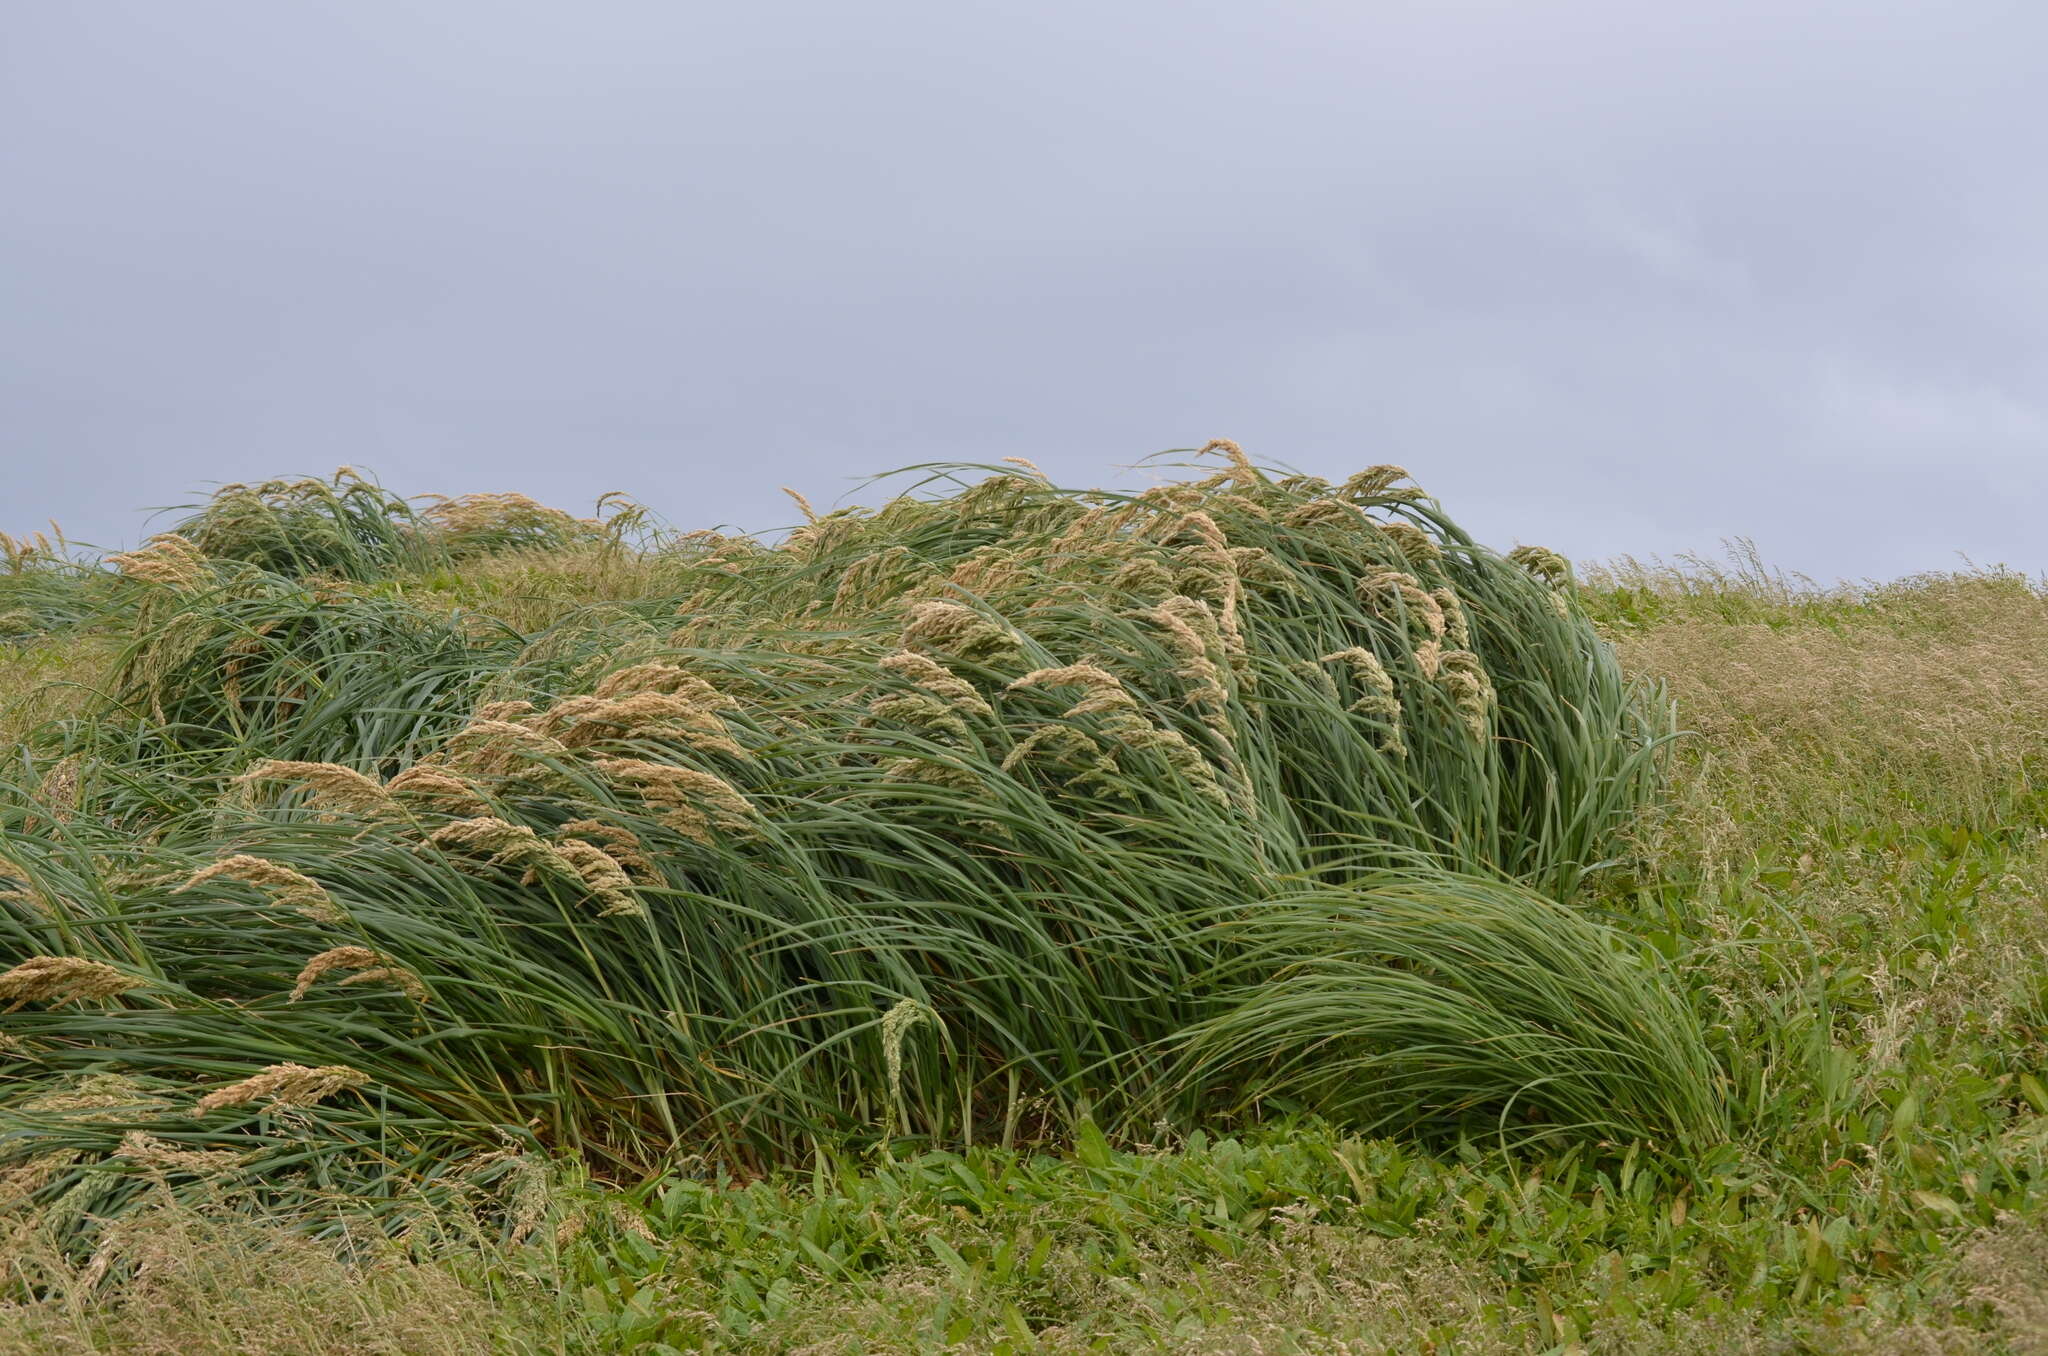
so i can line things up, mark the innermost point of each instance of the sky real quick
(1607, 276)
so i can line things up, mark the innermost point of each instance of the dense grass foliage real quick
(996, 808)
(350, 527)
(1844, 886)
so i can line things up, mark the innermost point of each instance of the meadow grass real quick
(1227, 1029)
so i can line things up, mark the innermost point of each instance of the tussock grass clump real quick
(1153, 806)
(347, 526)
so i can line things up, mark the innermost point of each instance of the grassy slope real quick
(1853, 872)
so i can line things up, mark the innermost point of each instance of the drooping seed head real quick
(332, 786)
(63, 979)
(290, 888)
(368, 967)
(283, 1087)
(169, 560)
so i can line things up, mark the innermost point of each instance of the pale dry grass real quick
(1923, 704)
(1316, 1288)
(1313, 1289)
(49, 677)
(205, 1282)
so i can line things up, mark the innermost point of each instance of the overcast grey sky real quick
(1609, 275)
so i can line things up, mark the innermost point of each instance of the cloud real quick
(1596, 270)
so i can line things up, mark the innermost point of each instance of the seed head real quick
(1335, 512)
(685, 717)
(437, 786)
(1457, 627)
(696, 802)
(955, 628)
(169, 560)
(1415, 545)
(940, 681)
(369, 967)
(810, 514)
(1378, 700)
(60, 979)
(604, 875)
(1373, 482)
(163, 1155)
(1463, 676)
(497, 746)
(1241, 469)
(332, 785)
(283, 1087)
(1545, 564)
(291, 889)
(620, 843)
(1105, 691)
(1192, 634)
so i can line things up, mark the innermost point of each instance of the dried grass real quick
(208, 1281)
(1935, 700)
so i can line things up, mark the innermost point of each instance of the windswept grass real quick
(955, 821)
(1247, 916)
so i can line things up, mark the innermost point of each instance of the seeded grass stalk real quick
(1103, 790)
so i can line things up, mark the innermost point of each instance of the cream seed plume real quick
(436, 787)
(1373, 482)
(1105, 691)
(476, 523)
(1192, 634)
(1545, 564)
(938, 680)
(603, 875)
(283, 1087)
(1379, 700)
(1465, 678)
(162, 1155)
(695, 803)
(621, 844)
(1124, 724)
(168, 560)
(956, 629)
(1241, 469)
(684, 717)
(292, 889)
(331, 785)
(810, 514)
(505, 710)
(497, 747)
(368, 967)
(577, 864)
(1457, 626)
(1418, 547)
(63, 979)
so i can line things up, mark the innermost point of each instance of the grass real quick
(1764, 1072)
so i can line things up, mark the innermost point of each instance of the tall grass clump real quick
(951, 820)
(347, 526)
